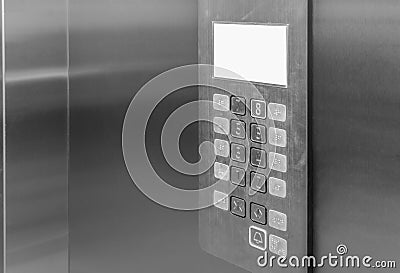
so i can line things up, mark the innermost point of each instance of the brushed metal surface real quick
(36, 235)
(356, 128)
(221, 233)
(2, 148)
(115, 48)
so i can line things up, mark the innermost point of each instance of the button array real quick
(259, 158)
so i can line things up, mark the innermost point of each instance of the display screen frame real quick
(241, 78)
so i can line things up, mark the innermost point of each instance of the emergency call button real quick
(258, 238)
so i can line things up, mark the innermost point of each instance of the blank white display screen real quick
(256, 53)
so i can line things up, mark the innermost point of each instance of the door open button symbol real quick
(257, 238)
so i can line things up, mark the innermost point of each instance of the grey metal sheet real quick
(356, 128)
(36, 215)
(221, 233)
(116, 47)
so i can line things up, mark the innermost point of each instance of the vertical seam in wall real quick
(68, 130)
(3, 65)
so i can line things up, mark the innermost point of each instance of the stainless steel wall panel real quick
(36, 97)
(356, 128)
(115, 48)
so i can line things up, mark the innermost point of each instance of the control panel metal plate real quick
(227, 231)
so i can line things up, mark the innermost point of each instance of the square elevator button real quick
(221, 102)
(221, 171)
(258, 158)
(258, 109)
(277, 162)
(238, 129)
(221, 147)
(258, 238)
(238, 207)
(258, 213)
(258, 133)
(277, 112)
(221, 200)
(277, 187)
(238, 105)
(257, 182)
(277, 220)
(221, 125)
(238, 152)
(278, 245)
(238, 176)
(277, 137)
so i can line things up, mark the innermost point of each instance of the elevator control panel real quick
(259, 130)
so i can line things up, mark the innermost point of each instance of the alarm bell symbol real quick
(258, 238)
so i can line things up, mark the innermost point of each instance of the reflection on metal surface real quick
(115, 48)
(36, 235)
(356, 127)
